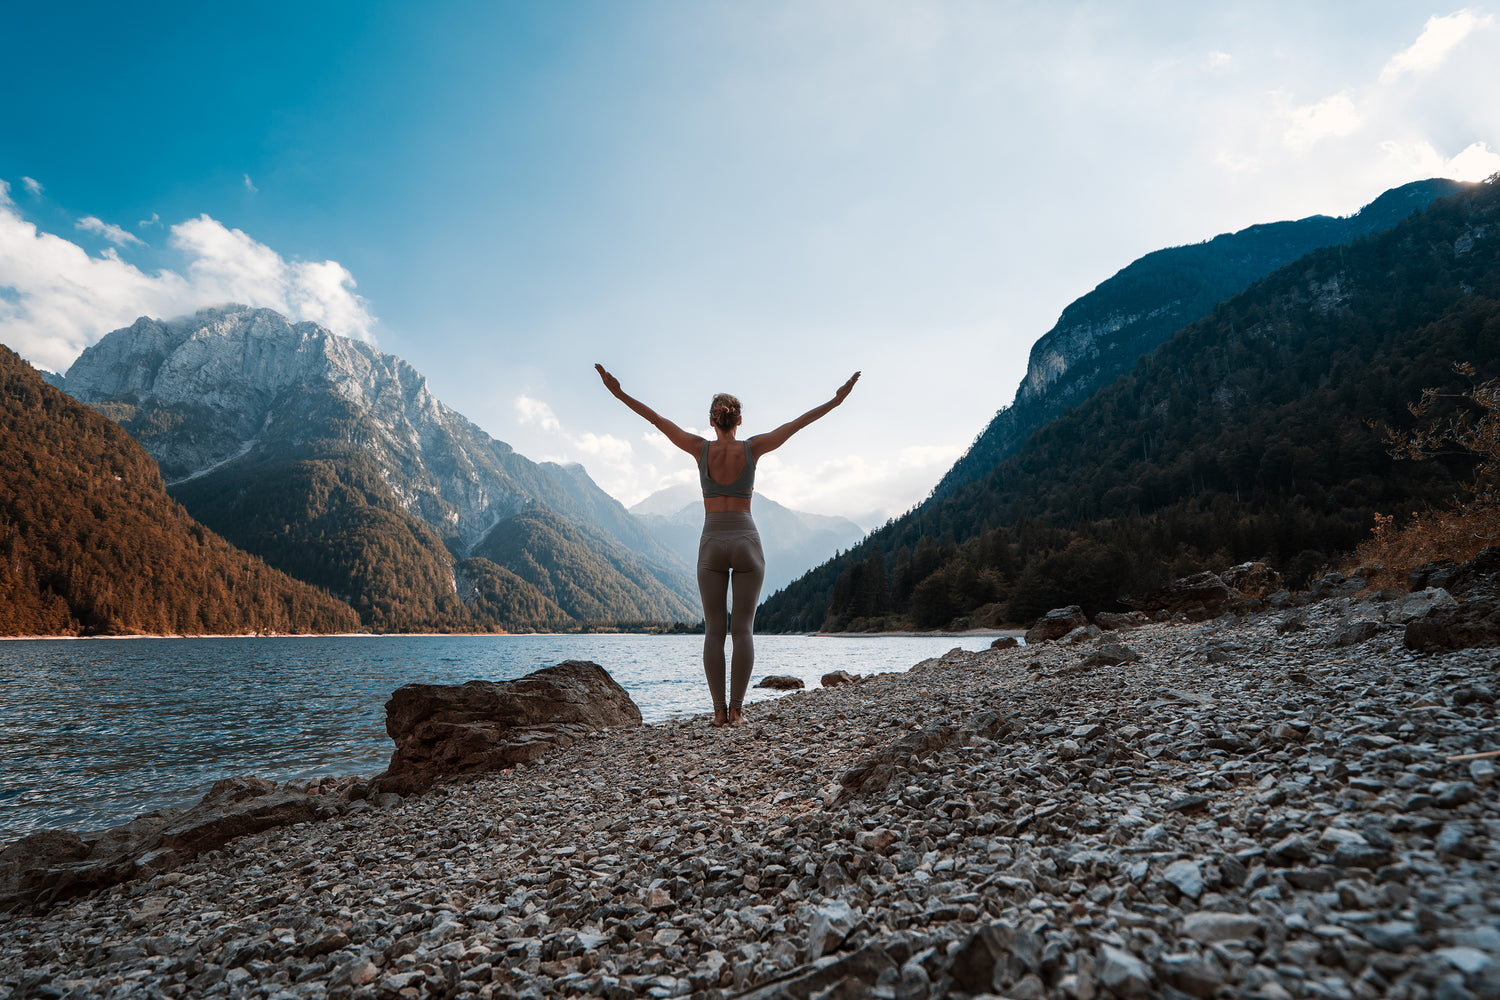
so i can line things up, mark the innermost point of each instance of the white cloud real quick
(1439, 36)
(226, 265)
(534, 411)
(1218, 60)
(250, 185)
(1332, 116)
(33, 187)
(155, 220)
(1475, 163)
(58, 299)
(119, 237)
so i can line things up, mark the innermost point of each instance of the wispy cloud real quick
(33, 186)
(534, 411)
(1474, 163)
(1439, 37)
(250, 185)
(1333, 116)
(119, 237)
(155, 220)
(60, 299)
(612, 462)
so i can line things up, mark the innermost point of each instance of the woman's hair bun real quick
(724, 411)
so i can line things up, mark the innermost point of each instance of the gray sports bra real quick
(741, 487)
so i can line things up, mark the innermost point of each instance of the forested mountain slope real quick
(90, 543)
(1246, 435)
(1102, 334)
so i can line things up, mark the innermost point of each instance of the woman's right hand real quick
(846, 388)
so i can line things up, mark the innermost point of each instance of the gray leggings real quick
(729, 557)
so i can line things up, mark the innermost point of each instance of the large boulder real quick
(1202, 594)
(1469, 625)
(1116, 621)
(1447, 625)
(1253, 579)
(1479, 577)
(1056, 623)
(450, 729)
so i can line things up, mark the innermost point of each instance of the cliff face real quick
(1103, 334)
(231, 397)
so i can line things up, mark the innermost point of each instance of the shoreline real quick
(895, 634)
(1240, 807)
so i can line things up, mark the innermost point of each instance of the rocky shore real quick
(1260, 805)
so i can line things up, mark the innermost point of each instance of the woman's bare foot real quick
(721, 717)
(736, 717)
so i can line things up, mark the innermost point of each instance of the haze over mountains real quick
(793, 541)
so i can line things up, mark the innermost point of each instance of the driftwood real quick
(1475, 756)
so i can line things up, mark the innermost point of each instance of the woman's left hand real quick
(846, 388)
(610, 382)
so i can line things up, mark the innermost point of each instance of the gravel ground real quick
(1257, 807)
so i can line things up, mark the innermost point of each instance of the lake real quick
(94, 732)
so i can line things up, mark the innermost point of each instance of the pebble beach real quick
(1250, 809)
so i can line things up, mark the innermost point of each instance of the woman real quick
(729, 554)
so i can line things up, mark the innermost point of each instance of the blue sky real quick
(704, 196)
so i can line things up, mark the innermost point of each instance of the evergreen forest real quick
(90, 543)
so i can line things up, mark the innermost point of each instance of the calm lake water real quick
(94, 732)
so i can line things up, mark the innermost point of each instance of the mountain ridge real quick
(1099, 335)
(1243, 436)
(233, 397)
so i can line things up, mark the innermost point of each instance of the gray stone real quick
(1451, 794)
(1208, 927)
(1187, 876)
(1123, 973)
(1469, 961)
(1055, 624)
(1356, 632)
(1110, 654)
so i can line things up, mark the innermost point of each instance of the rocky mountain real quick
(1100, 335)
(90, 543)
(794, 541)
(336, 462)
(1245, 435)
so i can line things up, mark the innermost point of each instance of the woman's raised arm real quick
(760, 444)
(690, 443)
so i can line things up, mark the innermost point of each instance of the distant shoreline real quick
(894, 634)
